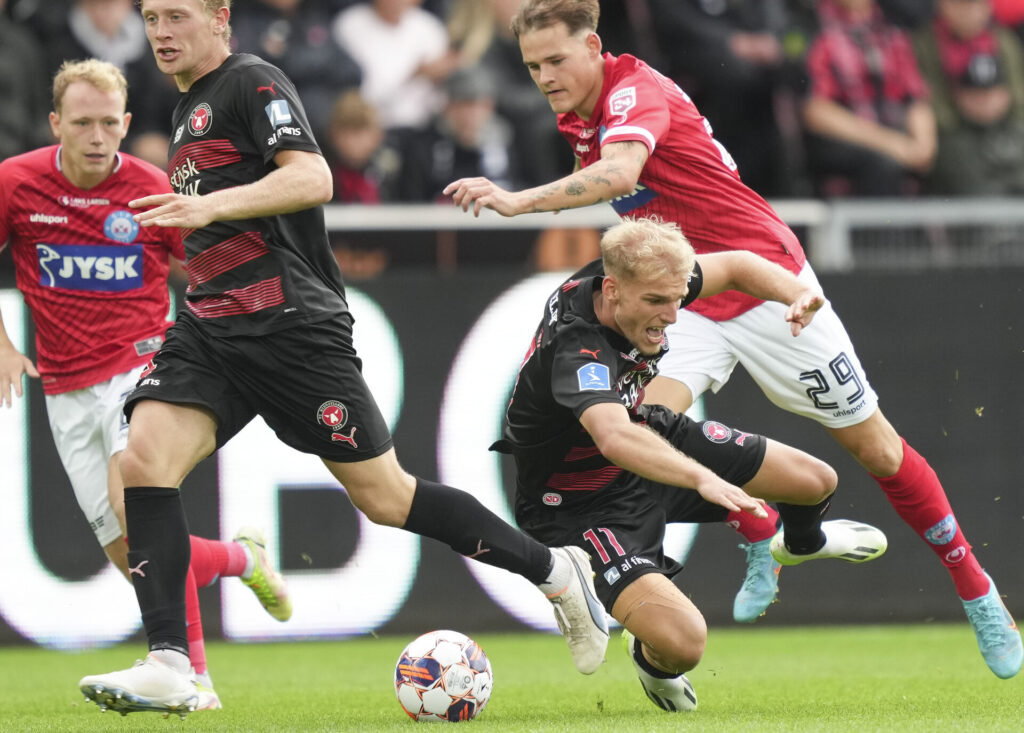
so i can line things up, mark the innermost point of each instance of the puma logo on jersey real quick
(593, 353)
(267, 89)
(137, 570)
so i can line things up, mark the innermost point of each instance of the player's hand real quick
(13, 365)
(172, 210)
(481, 193)
(801, 311)
(721, 492)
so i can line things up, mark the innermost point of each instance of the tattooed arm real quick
(616, 174)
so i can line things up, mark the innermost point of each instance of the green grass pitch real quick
(849, 679)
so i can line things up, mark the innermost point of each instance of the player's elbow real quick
(322, 183)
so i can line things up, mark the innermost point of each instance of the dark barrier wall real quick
(945, 351)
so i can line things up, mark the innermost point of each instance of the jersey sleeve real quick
(636, 109)
(6, 185)
(694, 284)
(277, 119)
(583, 370)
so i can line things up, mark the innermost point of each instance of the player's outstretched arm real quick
(13, 365)
(301, 181)
(754, 275)
(616, 174)
(642, 451)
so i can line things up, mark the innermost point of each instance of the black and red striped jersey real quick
(250, 276)
(573, 362)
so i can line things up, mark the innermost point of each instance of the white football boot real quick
(844, 540)
(579, 613)
(150, 685)
(674, 695)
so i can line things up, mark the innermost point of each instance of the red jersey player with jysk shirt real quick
(643, 147)
(95, 282)
(96, 285)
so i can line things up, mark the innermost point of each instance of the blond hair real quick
(577, 15)
(101, 74)
(646, 249)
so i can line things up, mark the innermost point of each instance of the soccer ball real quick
(443, 676)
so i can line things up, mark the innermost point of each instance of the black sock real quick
(646, 666)
(802, 526)
(460, 521)
(158, 557)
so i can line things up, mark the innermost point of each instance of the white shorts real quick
(88, 428)
(816, 374)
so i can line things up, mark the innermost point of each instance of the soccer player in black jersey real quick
(598, 468)
(267, 332)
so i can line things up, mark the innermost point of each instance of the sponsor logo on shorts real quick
(611, 575)
(593, 376)
(956, 555)
(201, 119)
(716, 432)
(551, 499)
(943, 532)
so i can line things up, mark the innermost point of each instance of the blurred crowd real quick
(812, 97)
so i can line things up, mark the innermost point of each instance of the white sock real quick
(250, 562)
(561, 573)
(175, 660)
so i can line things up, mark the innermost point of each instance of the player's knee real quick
(382, 503)
(825, 479)
(682, 649)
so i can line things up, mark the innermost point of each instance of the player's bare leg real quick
(665, 635)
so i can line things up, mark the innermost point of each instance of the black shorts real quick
(623, 529)
(306, 382)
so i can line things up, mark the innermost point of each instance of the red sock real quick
(212, 559)
(752, 528)
(196, 644)
(918, 497)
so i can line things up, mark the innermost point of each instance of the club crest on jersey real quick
(121, 227)
(593, 376)
(201, 119)
(622, 101)
(551, 499)
(716, 432)
(92, 267)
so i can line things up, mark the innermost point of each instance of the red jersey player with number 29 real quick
(641, 145)
(96, 285)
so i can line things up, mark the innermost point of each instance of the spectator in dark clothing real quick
(730, 59)
(867, 113)
(467, 139)
(295, 36)
(362, 165)
(23, 87)
(976, 73)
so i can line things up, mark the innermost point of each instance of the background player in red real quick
(641, 145)
(267, 331)
(96, 285)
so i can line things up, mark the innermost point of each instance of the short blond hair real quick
(646, 249)
(101, 74)
(577, 15)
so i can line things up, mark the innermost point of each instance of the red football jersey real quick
(689, 178)
(94, 280)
